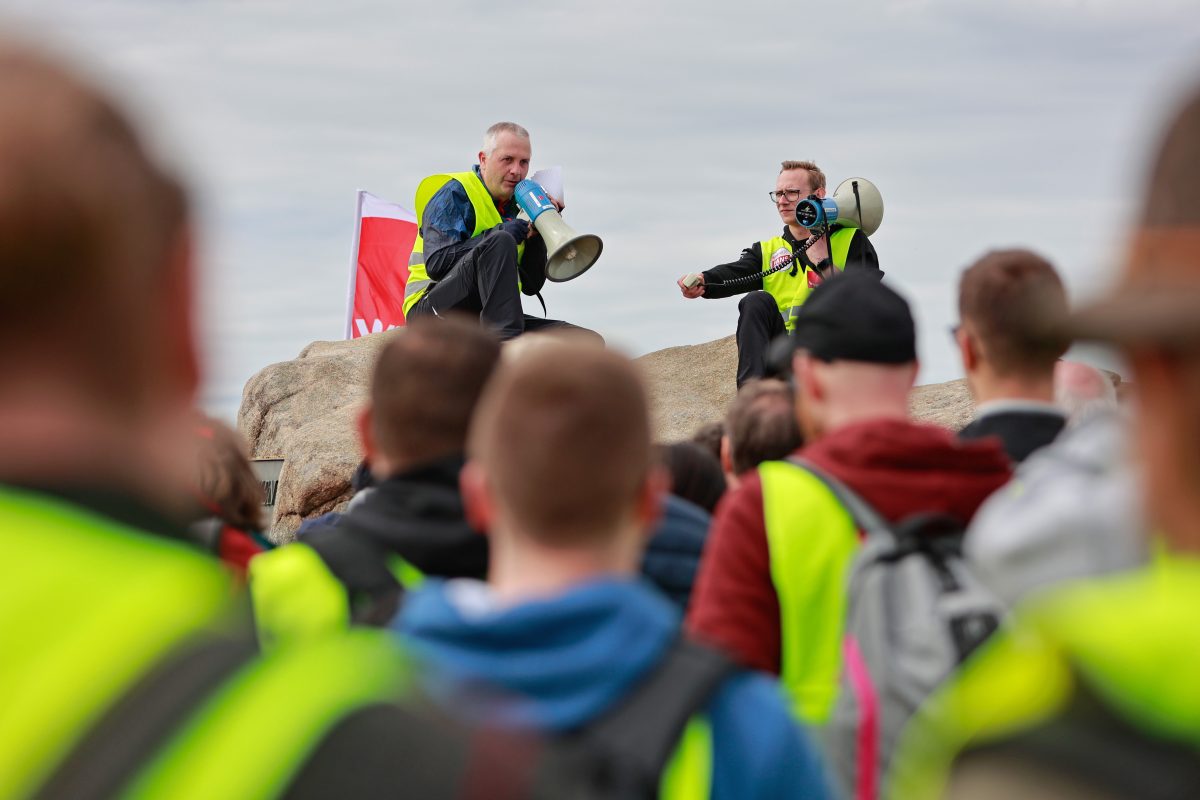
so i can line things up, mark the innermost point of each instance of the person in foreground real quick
(772, 584)
(568, 636)
(1092, 693)
(129, 668)
(413, 430)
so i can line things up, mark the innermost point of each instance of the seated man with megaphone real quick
(819, 235)
(473, 253)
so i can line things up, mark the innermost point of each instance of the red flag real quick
(383, 240)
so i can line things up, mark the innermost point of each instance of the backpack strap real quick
(133, 729)
(863, 514)
(362, 566)
(626, 750)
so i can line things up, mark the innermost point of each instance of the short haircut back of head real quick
(761, 424)
(695, 472)
(426, 384)
(996, 295)
(564, 439)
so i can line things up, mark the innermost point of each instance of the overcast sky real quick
(984, 125)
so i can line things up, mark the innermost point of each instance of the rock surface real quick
(303, 412)
(694, 384)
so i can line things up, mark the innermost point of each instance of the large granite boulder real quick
(303, 412)
(693, 385)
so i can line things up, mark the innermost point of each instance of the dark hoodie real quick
(416, 516)
(899, 467)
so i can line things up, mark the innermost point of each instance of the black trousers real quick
(759, 322)
(484, 282)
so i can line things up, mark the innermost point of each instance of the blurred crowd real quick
(815, 597)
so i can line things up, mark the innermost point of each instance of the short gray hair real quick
(493, 135)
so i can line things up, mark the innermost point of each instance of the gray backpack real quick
(914, 612)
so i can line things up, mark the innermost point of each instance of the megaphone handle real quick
(858, 212)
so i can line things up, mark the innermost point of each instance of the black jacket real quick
(1021, 431)
(417, 515)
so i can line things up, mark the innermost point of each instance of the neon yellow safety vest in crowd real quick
(486, 218)
(688, 775)
(811, 540)
(1133, 638)
(296, 596)
(89, 607)
(790, 291)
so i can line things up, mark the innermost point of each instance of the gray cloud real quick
(984, 125)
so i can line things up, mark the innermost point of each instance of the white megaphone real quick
(568, 254)
(856, 203)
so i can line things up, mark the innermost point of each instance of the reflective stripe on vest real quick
(295, 595)
(406, 574)
(790, 291)
(87, 606)
(811, 540)
(249, 740)
(486, 218)
(688, 775)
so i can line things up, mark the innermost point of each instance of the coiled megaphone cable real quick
(800, 248)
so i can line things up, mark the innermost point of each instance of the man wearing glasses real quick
(772, 298)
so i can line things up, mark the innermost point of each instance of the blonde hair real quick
(816, 178)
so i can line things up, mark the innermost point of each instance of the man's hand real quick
(519, 229)
(695, 289)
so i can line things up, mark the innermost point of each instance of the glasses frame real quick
(787, 194)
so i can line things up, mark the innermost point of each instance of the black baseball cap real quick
(854, 317)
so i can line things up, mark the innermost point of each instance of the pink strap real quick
(866, 787)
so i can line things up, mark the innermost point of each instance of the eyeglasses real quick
(791, 194)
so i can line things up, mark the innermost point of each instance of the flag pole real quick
(354, 266)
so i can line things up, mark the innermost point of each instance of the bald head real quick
(563, 436)
(1081, 389)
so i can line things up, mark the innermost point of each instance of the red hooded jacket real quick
(901, 468)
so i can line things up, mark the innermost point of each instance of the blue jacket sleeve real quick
(759, 751)
(446, 227)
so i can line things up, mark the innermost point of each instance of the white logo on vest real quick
(781, 257)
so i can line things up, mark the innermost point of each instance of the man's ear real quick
(650, 499)
(808, 377)
(916, 370)
(968, 348)
(477, 497)
(820, 193)
(726, 455)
